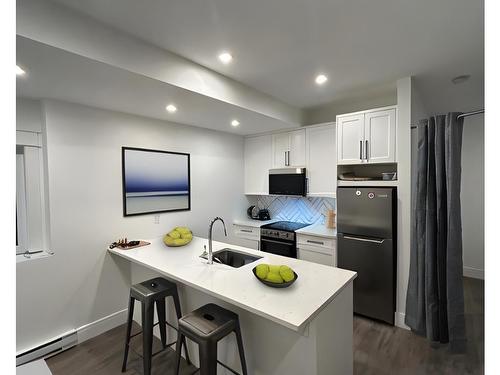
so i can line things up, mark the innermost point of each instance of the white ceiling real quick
(280, 45)
(57, 74)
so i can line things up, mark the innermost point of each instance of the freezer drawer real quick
(374, 288)
(366, 211)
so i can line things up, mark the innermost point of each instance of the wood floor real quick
(378, 349)
(103, 355)
(384, 349)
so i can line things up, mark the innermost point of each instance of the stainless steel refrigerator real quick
(366, 235)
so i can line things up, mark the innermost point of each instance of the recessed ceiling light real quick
(460, 79)
(19, 71)
(320, 79)
(235, 123)
(225, 57)
(171, 108)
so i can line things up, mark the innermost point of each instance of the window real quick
(30, 206)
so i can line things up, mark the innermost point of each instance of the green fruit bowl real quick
(275, 285)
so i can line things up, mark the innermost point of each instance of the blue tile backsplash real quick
(299, 209)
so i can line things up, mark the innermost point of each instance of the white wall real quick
(472, 197)
(327, 112)
(28, 115)
(82, 283)
(405, 92)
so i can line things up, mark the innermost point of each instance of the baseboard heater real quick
(48, 349)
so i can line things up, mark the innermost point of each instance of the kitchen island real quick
(304, 329)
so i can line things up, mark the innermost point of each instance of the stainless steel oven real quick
(279, 238)
(278, 246)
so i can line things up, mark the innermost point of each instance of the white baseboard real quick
(47, 348)
(399, 320)
(100, 326)
(71, 338)
(475, 273)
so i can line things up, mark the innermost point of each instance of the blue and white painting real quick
(155, 181)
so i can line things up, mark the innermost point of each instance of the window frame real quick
(21, 213)
(31, 197)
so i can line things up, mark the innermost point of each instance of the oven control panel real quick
(278, 234)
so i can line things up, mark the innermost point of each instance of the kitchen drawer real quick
(243, 231)
(317, 257)
(316, 243)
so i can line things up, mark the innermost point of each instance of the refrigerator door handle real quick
(364, 239)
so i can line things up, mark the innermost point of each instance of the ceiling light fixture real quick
(460, 79)
(320, 79)
(225, 57)
(235, 123)
(19, 71)
(171, 108)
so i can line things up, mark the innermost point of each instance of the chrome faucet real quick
(210, 257)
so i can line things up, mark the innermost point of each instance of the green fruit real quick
(174, 234)
(187, 236)
(274, 278)
(262, 270)
(274, 268)
(178, 236)
(183, 230)
(284, 267)
(286, 273)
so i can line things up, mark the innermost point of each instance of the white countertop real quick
(293, 307)
(318, 230)
(253, 223)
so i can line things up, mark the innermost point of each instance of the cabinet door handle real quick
(366, 150)
(288, 158)
(316, 242)
(246, 230)
(360, 150)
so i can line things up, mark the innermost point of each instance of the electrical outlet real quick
(157, 219)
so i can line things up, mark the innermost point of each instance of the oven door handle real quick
(278, 242)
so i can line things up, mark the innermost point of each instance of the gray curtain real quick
(435, 297)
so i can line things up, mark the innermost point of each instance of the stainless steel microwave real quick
(288, 181)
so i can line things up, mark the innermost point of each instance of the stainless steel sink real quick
(232, 257)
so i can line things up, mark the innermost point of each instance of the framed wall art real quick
(155, 181)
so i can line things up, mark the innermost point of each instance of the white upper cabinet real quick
(281, 148)
(258, 161)
(321, 160)
(297, 153)
(380, 136)
(367, 137)
(289, 149)
(350, 133)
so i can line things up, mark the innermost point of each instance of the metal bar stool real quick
(206, 326)
(148, 293)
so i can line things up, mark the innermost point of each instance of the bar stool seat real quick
(149, 293)
(206, 326)
(152, 289)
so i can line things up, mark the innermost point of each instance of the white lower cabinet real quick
(317, 249)
(249, 236)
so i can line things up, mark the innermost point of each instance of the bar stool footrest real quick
(227, 367)
(158, 352)
(154, 325)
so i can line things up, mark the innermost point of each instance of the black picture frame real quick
(124, 176)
